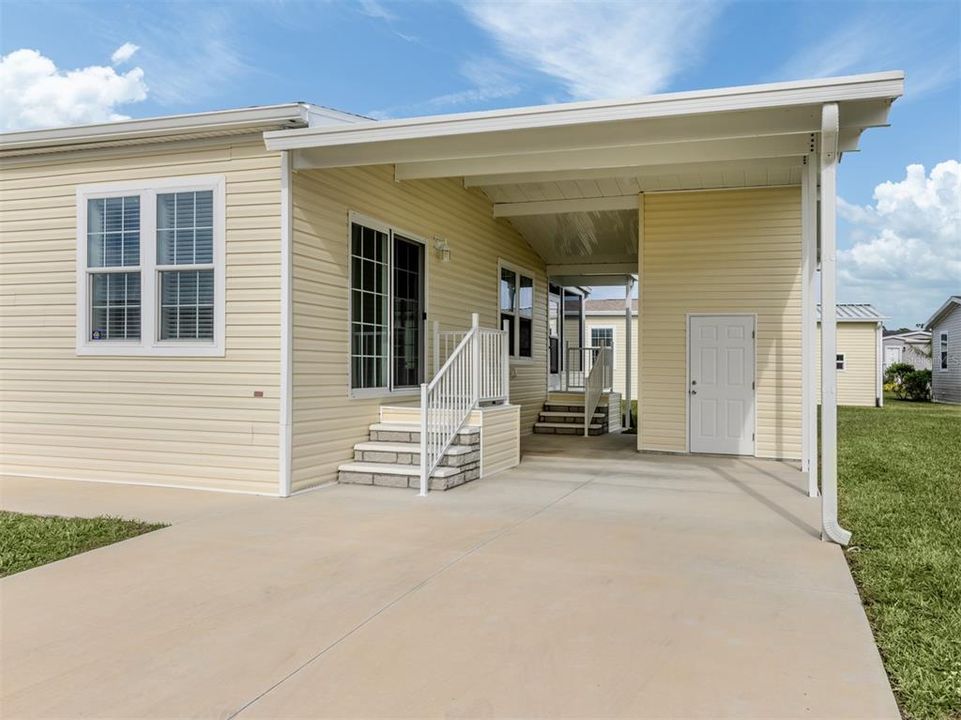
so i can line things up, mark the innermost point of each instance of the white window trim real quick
(613, 330)
(944, 342)
(840, 358)
(515, 357)
(150, 342)
(390, 230)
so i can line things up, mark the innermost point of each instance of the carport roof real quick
(567, 176)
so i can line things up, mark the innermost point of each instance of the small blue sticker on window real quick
(97, 335)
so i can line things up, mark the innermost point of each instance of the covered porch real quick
(721, 203)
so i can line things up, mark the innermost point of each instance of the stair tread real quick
(415, 427)
(593, 426)
(441, 471)
(564, 413)
(402, 447)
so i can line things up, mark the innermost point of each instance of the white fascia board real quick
(551, 207)
(683, 152)
(889, 85)
(254, 117)
(589, 268)
(941, 310)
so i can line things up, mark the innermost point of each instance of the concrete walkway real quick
(589, 582)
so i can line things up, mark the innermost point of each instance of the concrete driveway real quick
(589, 582)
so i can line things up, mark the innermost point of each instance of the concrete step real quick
(410, 433)
(562, 428)
(409, 453)
(405, 476)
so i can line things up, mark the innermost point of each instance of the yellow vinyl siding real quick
(326, 421)
(735, 251)
(500, 439)
(621, 361)
(191, 422)
(857, 383)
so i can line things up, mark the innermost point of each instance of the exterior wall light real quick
(441, 249)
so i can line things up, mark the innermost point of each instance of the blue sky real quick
(900, 250)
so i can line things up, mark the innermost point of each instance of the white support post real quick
(285, 428)
(505, 364)
(475, 358)
(628, 361)
(423, 440)
(809, 401)
(436, 346)
(830, 529)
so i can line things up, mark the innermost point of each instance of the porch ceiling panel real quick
(582, 237)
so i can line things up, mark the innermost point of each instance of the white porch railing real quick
(475, 371)
(579, 364)
(597, 381)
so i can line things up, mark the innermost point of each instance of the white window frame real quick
(840, 362)
(390, 230)
(518, 270)
(150, 342)
(943, 363)
(613, 330)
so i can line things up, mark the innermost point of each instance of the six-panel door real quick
(721, 384)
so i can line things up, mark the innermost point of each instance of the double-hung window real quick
(943, 351)
(387, 299)
(603, 337)
(150, 259)
(516, 294)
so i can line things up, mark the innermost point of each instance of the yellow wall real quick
(326, 421)
(165, 420)
(857, 383)
(620, 348)
(735, 251)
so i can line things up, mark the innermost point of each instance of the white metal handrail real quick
(579, 364)
(475, 371)
(594, 386)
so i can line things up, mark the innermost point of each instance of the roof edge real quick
(953, 300)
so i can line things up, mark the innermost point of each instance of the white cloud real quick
(864, 44)
(906, 254)
(600, 49)
(35, 93)
(488, 81)
(123, 53)
(375, 9)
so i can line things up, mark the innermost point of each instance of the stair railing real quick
(597, 380)
(474, 372)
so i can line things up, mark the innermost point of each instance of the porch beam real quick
(550, 207)
(830, 529)
(625, 156)
(586, 268)
(634, 172)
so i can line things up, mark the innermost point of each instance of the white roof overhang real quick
(567, 176)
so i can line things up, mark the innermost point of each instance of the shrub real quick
(896, 378)
(917, 385)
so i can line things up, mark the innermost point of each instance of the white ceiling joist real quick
(550, 207)
(686, 152)
(646, 171)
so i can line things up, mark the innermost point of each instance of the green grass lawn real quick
(900, 494)
(30, 540)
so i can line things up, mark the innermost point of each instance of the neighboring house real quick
(246, 300)
(913, 348)
(858, 357)
(945, 327)
(605, 324)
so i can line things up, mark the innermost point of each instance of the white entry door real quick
(891, 355)
(721, 384)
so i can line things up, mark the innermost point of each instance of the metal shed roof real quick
(855, 312)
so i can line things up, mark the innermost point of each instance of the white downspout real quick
(628, 365)
(285, 426)
(809, 406)
(830, 529)
(879, 369)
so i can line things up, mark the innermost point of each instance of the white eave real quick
(950, 303)
(205, 124)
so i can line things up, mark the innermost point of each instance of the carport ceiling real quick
(567, 176)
